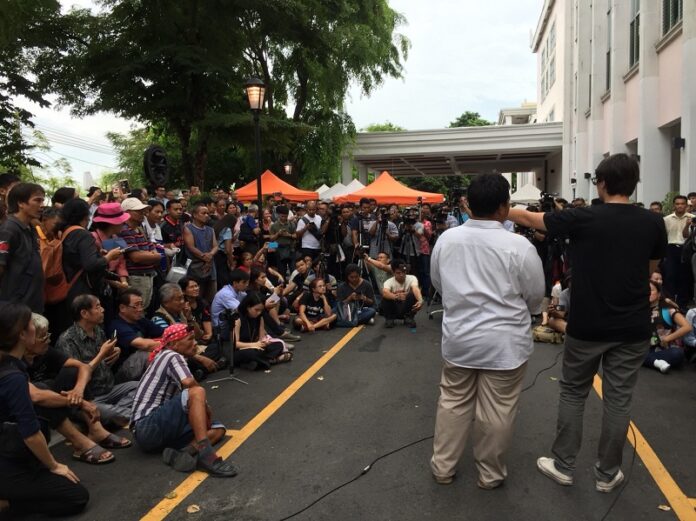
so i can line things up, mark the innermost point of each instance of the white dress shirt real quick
(308, 240)
(490, 281)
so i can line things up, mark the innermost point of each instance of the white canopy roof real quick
(323, 188)
(528, 194)
(337, 189)
(353, 186)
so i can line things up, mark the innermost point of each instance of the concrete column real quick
(688, 119)
(346, 169)
(653, 144)
(619, 66)
(362, 174)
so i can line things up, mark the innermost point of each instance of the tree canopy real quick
(179, 68)
(470, 119)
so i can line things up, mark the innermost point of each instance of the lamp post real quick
(255, 90)
(287, 167)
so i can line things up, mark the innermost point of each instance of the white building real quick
(621, 76)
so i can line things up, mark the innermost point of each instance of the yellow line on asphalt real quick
(682, 506)
(165, 507)
(693, 501)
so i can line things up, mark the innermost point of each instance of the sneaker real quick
(547, 466)
(289, 336)
(179, 460)
(608, 486)
(371, 321)
(389, 324)
(662, 366)
(443, 480)
(218, 468)
(489, 486)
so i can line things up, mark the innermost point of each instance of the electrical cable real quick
(411, 444)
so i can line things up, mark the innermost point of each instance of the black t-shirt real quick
(46, 367)
(314, 309)
(610, 249)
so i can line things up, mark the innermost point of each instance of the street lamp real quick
(287, 167)
(255, 90)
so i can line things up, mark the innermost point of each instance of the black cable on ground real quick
(369, 467)
(628, 474)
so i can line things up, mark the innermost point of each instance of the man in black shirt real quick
(614, 247)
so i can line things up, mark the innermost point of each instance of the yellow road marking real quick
(165, 507)
(693, 501)
(682, 506)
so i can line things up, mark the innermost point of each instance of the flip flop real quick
(93, 456)
(115, 442)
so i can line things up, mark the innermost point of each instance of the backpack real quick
(56, 286)
(547, 335)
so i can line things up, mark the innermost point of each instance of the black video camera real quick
(547, 203)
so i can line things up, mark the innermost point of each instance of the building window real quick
(608, 56)
(548, 62)
(672, 11)
(634, 33)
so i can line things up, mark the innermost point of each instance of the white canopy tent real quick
(353, 186)
(337, 189)
(528, 194)
(323, 188)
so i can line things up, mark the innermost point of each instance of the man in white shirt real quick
(491, 281)
(676, 273)
(309, 231)
(401, 296)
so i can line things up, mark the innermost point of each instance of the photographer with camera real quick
(331, 248)
(309, 231)
(460, 211)
(410, 242)
(283, 233)
(373, 230)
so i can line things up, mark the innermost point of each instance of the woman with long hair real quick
(669, 327)
(253, 348)
(200, 309)
(31, 480)
(315, 311)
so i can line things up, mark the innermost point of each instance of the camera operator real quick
(309, 231)
(410, 249)
(460, 211)
(424, 234)
(373, 230)
(331, 239)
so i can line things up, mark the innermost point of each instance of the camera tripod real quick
(230, 350)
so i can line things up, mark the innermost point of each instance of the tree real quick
(469, 119)
(180, 66)
(384, 127)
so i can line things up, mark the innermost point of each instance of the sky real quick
(464, 55)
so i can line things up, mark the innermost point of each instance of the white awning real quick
(528, 194)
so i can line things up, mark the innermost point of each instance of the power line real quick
(110, 167)
(68, 134)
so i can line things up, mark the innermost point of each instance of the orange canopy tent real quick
(272, 184)
(385, 189)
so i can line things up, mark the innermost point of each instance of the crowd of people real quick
(118, 304)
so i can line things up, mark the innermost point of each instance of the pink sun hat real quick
(110, 213)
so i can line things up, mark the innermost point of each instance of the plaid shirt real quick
(76, 343)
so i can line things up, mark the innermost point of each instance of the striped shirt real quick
(137, 241)
(161, 381)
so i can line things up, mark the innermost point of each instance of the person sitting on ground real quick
(401, 296)
(135, 335)
(295, 286)
(57, 387)
(175, 310)
(319, 271)
(85, 341)
(254, 349)
(315, 311)
(380, 269)
(200, 309)
(31, 480)
(274, 305)
(358, 295)
(559, 313)
(669, 326)
(227, 300)
(170, 412)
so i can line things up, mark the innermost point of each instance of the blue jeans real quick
(674, 356)
(365, 314)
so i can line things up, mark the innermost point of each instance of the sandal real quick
(93, 456)
(115, 442)
(284, 357)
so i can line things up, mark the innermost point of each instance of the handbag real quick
(346, 314)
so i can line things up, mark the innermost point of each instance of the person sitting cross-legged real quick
(401, 296)
(57, 388)
(170, 412)
(85, 341)
(315, 311)
(254, 349)
(357, 295)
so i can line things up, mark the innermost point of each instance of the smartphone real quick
(125, 186)
(273, 245)
(113, 336)
(560, 308)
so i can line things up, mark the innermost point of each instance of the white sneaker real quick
(372, 321)
(608, 486)
(662, 366)
(547, 466)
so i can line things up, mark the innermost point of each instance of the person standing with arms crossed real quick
(614, 248)
(491, 281)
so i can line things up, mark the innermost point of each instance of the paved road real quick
(377, 394)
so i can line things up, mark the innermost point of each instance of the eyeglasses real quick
(136, 306)
(44, 338)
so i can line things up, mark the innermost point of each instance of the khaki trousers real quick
(486, 400)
